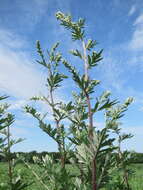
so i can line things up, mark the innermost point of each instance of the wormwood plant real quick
(6, 142)
(122, 170)
(91, 151)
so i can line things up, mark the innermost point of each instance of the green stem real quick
(126, 180)
(56, 121)
(90, 117)
(9, 158)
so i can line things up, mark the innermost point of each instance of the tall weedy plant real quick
(6, 142)
(123, 159)
(88, 149)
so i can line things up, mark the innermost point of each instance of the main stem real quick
(90, 117)
(58, 130)
(57, 124)
(9, 157)
(124, 168)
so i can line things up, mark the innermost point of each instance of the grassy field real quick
(136, 181)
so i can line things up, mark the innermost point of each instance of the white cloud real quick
(134, 130)
(111, 71)
(16, 105)
(137, 39)
(10, 40)
(136, 42)
(19, 132)
(32, 11)
(135, 143)
(139, 20)
(18, 77)
(99, 125)
(132, 10)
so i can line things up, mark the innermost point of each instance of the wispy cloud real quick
(19, 132)
(139, 20)
(112, 69)
(135, 130)
(10, 40)
(18, 77)
(124, 58)
(132, 10)
(32, 11)
(18, 104)
(136, 42)
(135, 143)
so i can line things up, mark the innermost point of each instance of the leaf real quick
(73, 140)
(39, 50)
(54, 47)
(32, 111)
(18, 184)
(3, 97)
(55, 79)
(58, 58)
(90, 44)
(108, 104)
(94, 58)
(96, 106)
(76, 53)
(37, 98)
(125, 137)
(76, 28)
(41, 63)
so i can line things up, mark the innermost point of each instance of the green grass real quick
(25, 173)
(136, 181)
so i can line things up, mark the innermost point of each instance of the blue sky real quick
(117, 25)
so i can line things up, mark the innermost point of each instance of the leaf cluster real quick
(76, 28)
